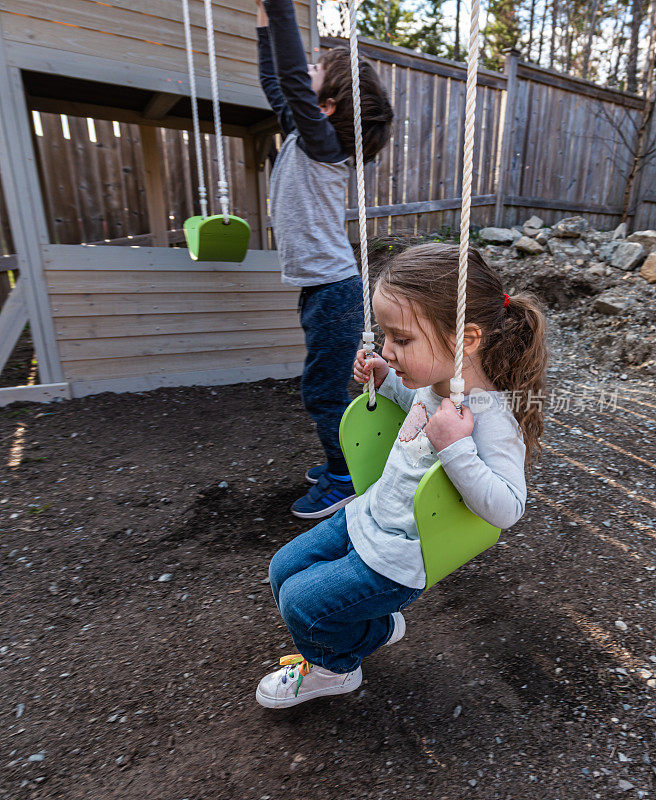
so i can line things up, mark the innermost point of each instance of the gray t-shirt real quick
(487, 468)
(308, 214)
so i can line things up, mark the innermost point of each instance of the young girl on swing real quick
(341, 587)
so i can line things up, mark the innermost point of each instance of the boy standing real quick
(308, 202)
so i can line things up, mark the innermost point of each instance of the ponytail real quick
(514, 356)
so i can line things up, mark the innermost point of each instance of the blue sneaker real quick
(324, 498)
(314, 473)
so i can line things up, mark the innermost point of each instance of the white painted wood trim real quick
(39, 393)
(122, 73)
(26, 213)
(217, 377)
(13, 319)
(84, 257)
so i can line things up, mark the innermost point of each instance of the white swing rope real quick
(202, 190)
(222, 183)
(367, 335)
(457, 384)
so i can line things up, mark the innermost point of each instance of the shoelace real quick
(291, 662)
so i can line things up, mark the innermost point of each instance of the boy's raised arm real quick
(319, 138)
(269, 79)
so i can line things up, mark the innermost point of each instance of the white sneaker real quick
(399, 628)
(299, 681)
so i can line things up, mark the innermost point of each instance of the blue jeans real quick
(338, 610)
(332, 318)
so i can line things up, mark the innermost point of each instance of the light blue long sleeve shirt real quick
(487, 468)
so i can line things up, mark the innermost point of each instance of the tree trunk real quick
(388, 24)
(591, 32)
(621, 41)
(637, 14)
(456, 47)
(544, 20)
(639, 159)
(554, 22)
(648, 71)
(530, 29)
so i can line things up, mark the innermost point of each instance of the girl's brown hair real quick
(377, 114)
(513, 350)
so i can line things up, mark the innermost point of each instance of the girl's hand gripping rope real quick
(362, 368)
(446, 425)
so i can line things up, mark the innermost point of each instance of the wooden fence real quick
(545, 143)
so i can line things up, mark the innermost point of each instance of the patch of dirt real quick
(118, 682)
(136, 617)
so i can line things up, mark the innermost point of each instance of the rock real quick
(543, 236)
(527, 245)
(607, 251)
(532, 226)
(620, 231)
(628, 255)
(570, 227)
(566, 250)
(499, 235)
(166, 577)
(223, 485)
(646, 238)
(20, 710)
(609, 303)
(625, 785)
(621, 625)
(648, 269)
(37, 756)
(597, 270)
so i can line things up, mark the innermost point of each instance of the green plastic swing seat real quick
(210, 239)
(450, 534)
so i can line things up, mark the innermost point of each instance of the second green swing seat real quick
(450, 534)
(210, 239)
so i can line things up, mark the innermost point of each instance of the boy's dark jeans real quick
(332, 318)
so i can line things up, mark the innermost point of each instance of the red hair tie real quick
(506, 300)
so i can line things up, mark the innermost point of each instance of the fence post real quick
(639, 190)
(505, 159)
(158, 220)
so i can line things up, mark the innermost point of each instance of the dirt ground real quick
(136, 618)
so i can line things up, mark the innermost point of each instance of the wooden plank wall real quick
(569, 149)
(122, 313)
(94, 177)
(144, 32)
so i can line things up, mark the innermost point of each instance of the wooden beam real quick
(505, 158)
(159, 105)
(251, 199)
(26, 212)
(175, 236)
(13, 319)
(122, 73)
(211, 377)
(157, 216)
(403, 57)
(39, 393)
(569, 83)
(562, 205)
(421, 207)
(76, 109)
(91, 258)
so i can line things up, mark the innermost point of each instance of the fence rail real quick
(546, 143)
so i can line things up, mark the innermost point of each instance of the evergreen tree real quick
(430, 30)
(385, 20)
(501, 32)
